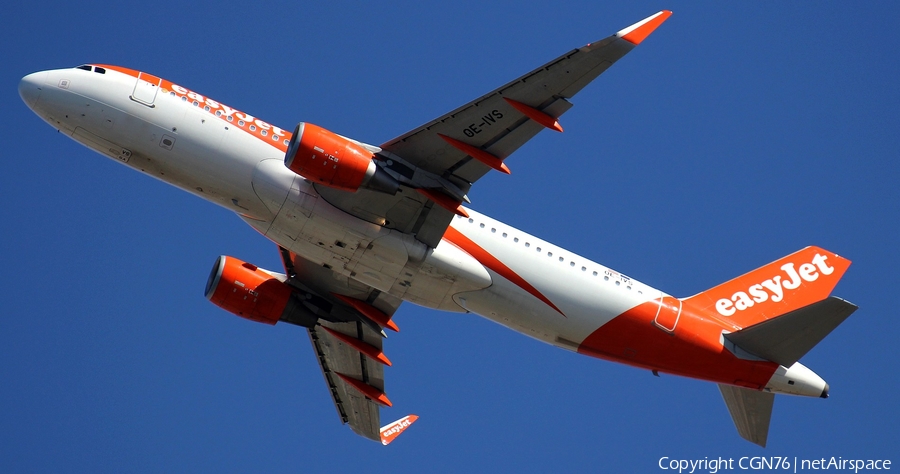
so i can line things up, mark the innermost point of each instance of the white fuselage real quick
(221, 162)
(482, 265)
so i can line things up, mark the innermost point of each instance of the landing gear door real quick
(145, 89)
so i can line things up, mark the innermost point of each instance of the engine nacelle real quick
(327, 158)
(255, 294)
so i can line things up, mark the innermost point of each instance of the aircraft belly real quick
(445, 272)
(385, 259)
(317, 231)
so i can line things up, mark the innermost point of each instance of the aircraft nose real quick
(30, 88)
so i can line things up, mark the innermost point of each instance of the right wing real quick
(502, 120)
(445, 156)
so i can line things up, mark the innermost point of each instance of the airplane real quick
(362, 228)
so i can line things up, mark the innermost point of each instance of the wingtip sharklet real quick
(641, 30)
(391, 431)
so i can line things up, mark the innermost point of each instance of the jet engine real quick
(255, 294)
(327, 158)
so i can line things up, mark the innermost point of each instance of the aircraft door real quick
(145, 89)
(668, 313)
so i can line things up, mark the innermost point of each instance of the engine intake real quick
(329, 159)
(255, 294)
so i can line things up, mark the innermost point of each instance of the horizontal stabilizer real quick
(751, 411)
(787, 338)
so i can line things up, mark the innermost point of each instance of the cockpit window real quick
(88, 67)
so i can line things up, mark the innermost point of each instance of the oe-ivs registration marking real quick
(486, 121)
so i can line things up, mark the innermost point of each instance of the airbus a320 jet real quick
(362, 228)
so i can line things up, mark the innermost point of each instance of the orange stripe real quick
(257, 132)
(465, 244)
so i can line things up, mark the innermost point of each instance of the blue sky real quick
(734, 135)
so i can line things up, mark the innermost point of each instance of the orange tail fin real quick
(800, 279)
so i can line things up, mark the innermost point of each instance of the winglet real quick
(642, 29)
(391, 431)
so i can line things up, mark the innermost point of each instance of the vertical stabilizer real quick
(795, 281)
(751, 411)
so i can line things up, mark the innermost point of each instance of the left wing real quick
(347, 342)
(439, 161)
(340, 363)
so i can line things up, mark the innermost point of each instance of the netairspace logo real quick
(771, 463)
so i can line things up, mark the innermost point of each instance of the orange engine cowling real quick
(325, 157)
(252, 293)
